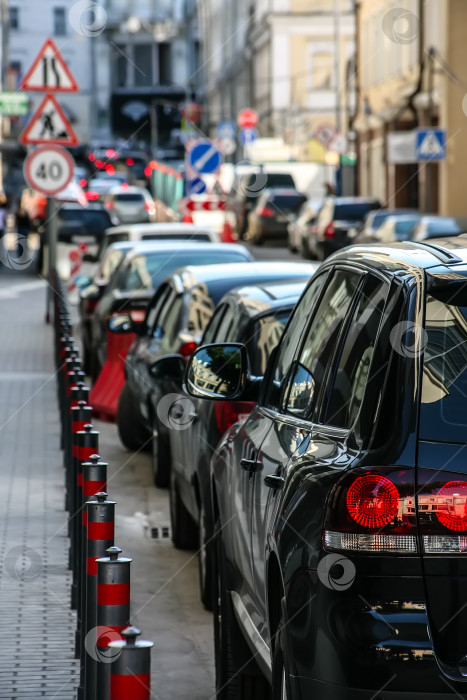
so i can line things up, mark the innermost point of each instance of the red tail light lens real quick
(229, 412)
(329, 231)
(109, 169)
(452, 505)
(148, 171)
(137, 315)
(149, 206)
(373, 511)
(267, 212)
(442, 512)
(92, 157)
(91, 196)
(99, 164)
(130, 161)
(109, 205)
(372, 501)
(83, 182)
(187, 349)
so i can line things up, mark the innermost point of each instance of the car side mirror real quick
(220, 371)
(121, 323)
(168, 367)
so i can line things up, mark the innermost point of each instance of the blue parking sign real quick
(197, 186)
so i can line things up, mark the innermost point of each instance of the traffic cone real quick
(227, 235)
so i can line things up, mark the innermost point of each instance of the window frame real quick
(59, 20)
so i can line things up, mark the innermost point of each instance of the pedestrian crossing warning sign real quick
(431, 144)
(49, 125)
(49, 72)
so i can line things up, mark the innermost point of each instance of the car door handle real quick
(274, 481)
(250, 465)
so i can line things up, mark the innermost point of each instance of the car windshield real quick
(443, 415)
(403, 228)
(352, 212)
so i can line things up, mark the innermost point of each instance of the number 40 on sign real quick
(49, 169)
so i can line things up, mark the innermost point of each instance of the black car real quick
(82, 224)
(255, 316)
(246, 190)
(140, 274)
(340, 503)
(339, 217)
(175, 322)
(271, 216)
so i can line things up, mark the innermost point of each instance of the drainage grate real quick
(160, 533)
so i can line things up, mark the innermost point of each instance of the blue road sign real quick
(226, 130)
(197, 186)
(430, 144)
(248, 136)
(205, 158)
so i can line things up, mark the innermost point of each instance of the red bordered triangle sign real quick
(49, 125)
(49, 72)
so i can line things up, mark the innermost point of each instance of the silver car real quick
(131, 204)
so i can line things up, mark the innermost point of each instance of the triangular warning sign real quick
(49, 72)
(49, 125)
(430, 146)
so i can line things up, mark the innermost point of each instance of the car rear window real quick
(288, 203)
(443, 415)
(89, 218)
(129, 197)
(444, 227)
(352, 212)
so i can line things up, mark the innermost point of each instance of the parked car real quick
(141, 272)
(131, 205)
(340, 502)
(98, 188)
(92, 290)
(255, 316)
(272, 214)
(375, 219)
(245, 192)
(298, 228)
(338, 216)
(393, 228)
(159, 231)
(176, 319)
(436, 226)
(82, 224)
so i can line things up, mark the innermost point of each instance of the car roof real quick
(167, 227)
(402, 257)
(255, 300)
(146, 247)
(244, 273)
(131, 189)
(88, 207)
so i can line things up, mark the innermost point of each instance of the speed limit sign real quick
(49, 169)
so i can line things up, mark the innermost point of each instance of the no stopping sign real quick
(48, 169)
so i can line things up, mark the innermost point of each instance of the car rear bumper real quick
(307, 688)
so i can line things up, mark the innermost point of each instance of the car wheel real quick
(184, 535)
(160, 460)
(205, 561)
(237, 674)
(130, 431)
(280, 675)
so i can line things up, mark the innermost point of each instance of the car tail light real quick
(91, 157)
(110, 153)
(130, 161)
(373, 510)
(329, 231)
(266, 211)
(109, 169)
(137, 315)
(229, 412)
(149, 206)
(442, 513)
(109, 205)
(91, 196)
(148, 171)
(99, 164)
(83, 182)
(187, 348)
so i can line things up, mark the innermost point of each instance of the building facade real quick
(411, 74)
(290, 60)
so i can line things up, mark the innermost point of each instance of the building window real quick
(59, 21)
(321, 66)
(14, 18)
(143, 65)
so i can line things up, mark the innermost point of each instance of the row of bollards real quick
(115, 664)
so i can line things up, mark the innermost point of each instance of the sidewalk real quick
(37, 642)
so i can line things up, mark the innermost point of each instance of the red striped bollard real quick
(78, 392)
(85, 444)
(78, 416)
(94, 481)
(130, 671)
(113, 611)
(100, 536)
